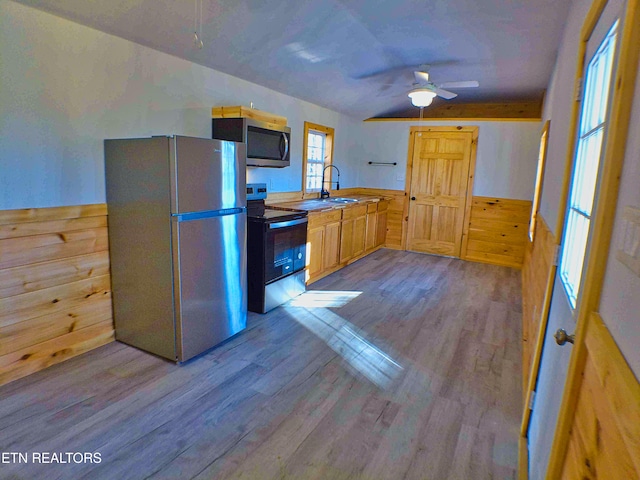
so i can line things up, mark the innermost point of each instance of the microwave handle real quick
(286, 146)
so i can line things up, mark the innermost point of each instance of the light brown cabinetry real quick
(371, 232)
(354, 221)
(331, 249)
(381, 222)
(323, 243)
(315, 242)
(341, 236)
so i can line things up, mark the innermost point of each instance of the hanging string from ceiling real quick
(197, 25)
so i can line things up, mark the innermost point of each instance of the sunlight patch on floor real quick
(323, 299)
(343, 338)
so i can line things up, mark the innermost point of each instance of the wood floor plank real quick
(415, 375)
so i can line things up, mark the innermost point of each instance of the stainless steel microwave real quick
(267, 143)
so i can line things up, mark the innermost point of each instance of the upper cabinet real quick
(239, 111)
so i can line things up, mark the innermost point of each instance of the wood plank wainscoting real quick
(603, 442)
(538, 259)
(498, 230)
(55, 289)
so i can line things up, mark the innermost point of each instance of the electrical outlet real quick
(629, 248)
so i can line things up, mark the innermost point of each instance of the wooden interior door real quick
(440, 165)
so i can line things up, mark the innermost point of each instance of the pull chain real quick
(197, 40)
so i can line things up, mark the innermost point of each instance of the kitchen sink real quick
(340, 200)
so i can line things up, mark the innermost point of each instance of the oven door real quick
(285, 248)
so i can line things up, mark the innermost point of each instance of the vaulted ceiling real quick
(353, 56)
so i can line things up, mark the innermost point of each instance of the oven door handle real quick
(288, 223)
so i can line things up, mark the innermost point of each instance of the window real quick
(585, 169)
(318, 153)
(542, 160)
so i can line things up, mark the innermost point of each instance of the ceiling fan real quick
(424, 90)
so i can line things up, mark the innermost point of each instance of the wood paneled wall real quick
(538, 258)
(496, 112)
(55, 292)
(498, 229)
(605, 438)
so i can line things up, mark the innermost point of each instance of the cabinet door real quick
(331, 248)
(346, 240)
(381, 228)
(315, 247)
(371, 233)
(359, 230)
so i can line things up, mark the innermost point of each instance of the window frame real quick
(570, 273)
(537, 195)
(328, 154)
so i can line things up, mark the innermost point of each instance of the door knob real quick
(562, 337)
(413, 198)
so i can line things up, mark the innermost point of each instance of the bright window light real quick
(316, 152)
(585, 169)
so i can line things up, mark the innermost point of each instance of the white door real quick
(600, 59)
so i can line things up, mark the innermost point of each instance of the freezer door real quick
(207, 175)
(211, 285)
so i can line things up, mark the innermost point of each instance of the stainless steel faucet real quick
(324, 193)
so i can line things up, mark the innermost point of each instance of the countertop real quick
(313, 205)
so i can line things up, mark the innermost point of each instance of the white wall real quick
(620, 301)
(558, 104)
(65, 87)
(505, 164)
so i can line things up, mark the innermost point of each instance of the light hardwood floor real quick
(417, 375)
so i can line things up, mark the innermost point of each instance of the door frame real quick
(474, 130)
(595, 263)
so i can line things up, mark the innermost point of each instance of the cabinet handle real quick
(413, 198)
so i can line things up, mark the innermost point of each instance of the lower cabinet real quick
(323, 243)
(338, 236)
(331, 248)
(381, 222)
(354, 222)
(371, 232)
(315, 245)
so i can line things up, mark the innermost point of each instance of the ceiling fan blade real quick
(421, 77)
(467, 84)
(445, 94)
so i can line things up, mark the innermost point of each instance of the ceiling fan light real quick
(421, 97)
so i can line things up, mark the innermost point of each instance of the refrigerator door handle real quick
(185, 217)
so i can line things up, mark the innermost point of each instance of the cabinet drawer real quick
(353, 212)
(383, 205)
(372, 207)
(316, 219)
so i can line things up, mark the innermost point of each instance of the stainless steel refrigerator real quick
(177, 242)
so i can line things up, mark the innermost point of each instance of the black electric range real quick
(276, 251)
